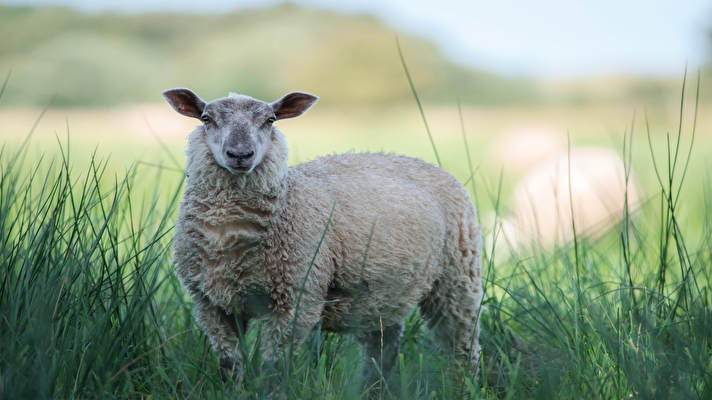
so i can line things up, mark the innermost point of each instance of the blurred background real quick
(531, 78)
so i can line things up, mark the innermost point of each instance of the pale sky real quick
(546, 38)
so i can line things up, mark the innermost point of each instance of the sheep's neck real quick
(254, 198)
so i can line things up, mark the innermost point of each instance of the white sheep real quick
(354, 241)
(585, 187)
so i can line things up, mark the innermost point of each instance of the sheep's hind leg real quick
(382, 348)
(452, 311)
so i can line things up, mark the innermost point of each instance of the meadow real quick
(90, 306)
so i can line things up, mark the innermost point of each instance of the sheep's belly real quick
(377, 302)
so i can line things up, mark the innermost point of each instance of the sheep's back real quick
(365, 171)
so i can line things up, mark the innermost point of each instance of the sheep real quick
(589, 181)
(351, 241)
(591, 178)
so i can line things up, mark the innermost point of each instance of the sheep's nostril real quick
(239, 156)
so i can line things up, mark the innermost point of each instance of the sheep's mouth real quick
(239, 164)
(238, 168)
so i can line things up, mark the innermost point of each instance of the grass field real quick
(90, 307)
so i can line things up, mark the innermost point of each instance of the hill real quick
(105, 59)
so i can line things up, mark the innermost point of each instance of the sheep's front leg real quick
(223, 331)
(382, 349)
(285, 330)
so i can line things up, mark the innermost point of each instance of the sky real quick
(545, 39)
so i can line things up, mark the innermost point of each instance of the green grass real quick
(90, 307)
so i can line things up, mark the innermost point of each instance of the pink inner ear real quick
(189, 109)
(184, 102)
(293, 105)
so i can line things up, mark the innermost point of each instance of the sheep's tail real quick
(466, 250)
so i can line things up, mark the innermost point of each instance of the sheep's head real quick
(238, 129)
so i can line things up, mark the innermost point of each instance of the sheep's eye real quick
(271, 120)
(206, 119)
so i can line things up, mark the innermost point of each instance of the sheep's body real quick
(402, 233)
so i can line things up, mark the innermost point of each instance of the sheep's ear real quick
(293, 104)
(185, 102)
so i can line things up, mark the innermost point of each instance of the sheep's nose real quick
(239, 156)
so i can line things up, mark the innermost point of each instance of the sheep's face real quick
(238, 129)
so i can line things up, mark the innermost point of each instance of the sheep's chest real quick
(231, 237)
(231, 272)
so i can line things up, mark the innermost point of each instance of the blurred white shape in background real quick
(590, 184)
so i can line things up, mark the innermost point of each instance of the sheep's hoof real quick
(227, 369)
